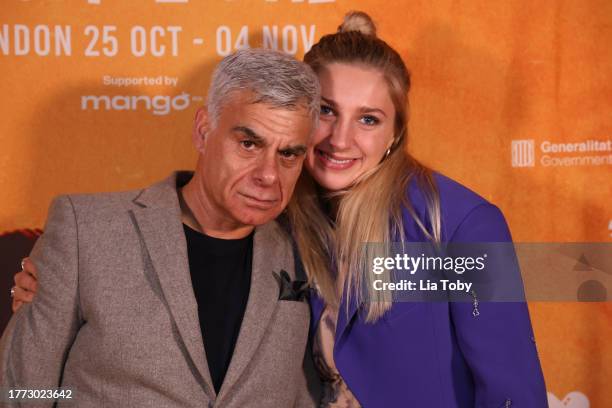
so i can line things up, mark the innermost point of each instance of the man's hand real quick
(26, 283)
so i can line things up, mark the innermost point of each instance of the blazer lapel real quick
(345, 317)
(158, 219)
(270, 255)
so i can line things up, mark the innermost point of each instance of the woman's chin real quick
(334, 182)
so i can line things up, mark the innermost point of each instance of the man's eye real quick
(369, 120)
(288, 155)
(248, 144)
(326, 110)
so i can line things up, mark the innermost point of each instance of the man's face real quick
(251, 160)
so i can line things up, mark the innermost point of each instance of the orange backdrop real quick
(513, 99)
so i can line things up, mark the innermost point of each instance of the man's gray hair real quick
(275, 78)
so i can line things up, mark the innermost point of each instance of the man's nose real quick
(340, 137)
(266, 173)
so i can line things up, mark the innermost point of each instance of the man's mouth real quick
(262, 203)
(333, 161)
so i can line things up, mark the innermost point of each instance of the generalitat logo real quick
(523, 153)
(588, 152)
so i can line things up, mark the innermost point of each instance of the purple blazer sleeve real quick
(498, 344)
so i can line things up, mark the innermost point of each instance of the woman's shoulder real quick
(463, 212)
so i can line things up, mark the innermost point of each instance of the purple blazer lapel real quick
(345, 317)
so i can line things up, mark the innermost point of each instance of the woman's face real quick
(356, 127)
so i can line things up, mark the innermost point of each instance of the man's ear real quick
(201, 126)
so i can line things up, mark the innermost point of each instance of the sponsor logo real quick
(157, 104)
(591, 152)
(574, 399)
(523, 153)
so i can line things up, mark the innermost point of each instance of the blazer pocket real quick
(293, 304)
(291, 323)
(293, 310)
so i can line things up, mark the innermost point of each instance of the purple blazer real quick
(434, 354)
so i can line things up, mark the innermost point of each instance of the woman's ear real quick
(200, 128)
(391, 143)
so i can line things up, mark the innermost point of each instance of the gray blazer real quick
(115, 318)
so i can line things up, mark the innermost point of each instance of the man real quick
(169, 296)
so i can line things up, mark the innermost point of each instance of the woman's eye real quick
(326, 110)
(369, 120)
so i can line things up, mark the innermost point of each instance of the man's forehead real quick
(272, 134)
(249, 99)
(266, 120)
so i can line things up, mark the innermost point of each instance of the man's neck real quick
(199, 214)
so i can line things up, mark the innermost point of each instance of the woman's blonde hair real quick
(370, 210)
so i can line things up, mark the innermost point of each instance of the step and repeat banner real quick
(513, 99)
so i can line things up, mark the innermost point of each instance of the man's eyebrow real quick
(255, 138)
(296, 150)
(250, 134)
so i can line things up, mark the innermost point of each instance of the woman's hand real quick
(26, 284)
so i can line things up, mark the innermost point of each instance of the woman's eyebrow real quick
(363, 109)
(328, 101)
(367, 109)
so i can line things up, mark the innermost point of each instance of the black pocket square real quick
(296, 290)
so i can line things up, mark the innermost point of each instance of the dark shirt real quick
(221, 277)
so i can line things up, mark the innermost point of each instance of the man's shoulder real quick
(159, 194)
(101, 200)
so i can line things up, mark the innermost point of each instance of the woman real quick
(376, 353)
(361, 186)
